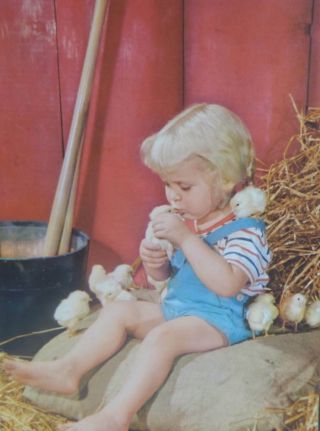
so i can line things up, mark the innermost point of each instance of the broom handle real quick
(60, 203)
(64, 245)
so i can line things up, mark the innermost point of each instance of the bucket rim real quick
(75, 231)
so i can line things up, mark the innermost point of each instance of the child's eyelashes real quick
(182, 187)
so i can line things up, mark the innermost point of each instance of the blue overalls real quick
(187, 295)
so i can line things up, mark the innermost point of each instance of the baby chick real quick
(312, 316)
(110, 290)
(292, 309)
(107, 290)
(123, 274)
(149, 235)
(261, 313)
(124, 295)
(250, 200)
(72, 309)
(97, 275)
(110, 286)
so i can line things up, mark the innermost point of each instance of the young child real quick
(201, 156)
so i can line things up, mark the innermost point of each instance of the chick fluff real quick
(261, 313)
(149, 234)
(109, 287)
(97, 275)
(292, 309)
(107, 290)
(249, 201)
(123, 274)
(72, 309)
(312, 316)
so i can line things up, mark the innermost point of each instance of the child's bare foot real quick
(104, 420)
(53, 376)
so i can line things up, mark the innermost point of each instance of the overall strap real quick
(212, 238)
(229, 228)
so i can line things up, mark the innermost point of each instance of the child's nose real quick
(173, 195)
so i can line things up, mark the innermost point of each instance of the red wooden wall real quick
(250, 56)
(30, 132)
(156, 56)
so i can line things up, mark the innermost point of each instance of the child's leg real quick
(102, 339)
(150, 369)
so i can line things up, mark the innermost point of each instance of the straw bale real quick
(293, 212)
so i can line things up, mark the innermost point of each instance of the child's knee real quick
(118, 311)
(159, 337)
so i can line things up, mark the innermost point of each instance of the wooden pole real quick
(61, 199)
(64, 245)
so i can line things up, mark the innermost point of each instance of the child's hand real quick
(171, 227)
(152, 255)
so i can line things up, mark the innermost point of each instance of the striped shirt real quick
(248, 250)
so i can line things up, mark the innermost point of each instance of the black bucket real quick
(31, 286)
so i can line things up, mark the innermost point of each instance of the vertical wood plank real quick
(314, 79)
(249, 56)
(73, 27)
(30, 132)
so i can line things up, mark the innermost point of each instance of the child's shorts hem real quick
(233, 333)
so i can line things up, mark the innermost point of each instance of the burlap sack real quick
(223, 390)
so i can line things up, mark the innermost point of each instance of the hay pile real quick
(16, 414)
(302, 415)
(293, 212)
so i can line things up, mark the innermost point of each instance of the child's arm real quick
(155, 260)
(212, 269)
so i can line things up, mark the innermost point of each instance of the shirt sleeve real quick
(248, 250)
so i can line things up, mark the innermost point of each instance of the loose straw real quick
(17, 414)
(293, 212)
(302, 415)
(18, 337)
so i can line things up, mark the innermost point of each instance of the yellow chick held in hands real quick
(312, 316)
(149, 234)
(261, 313)
(72, 309)
(292, 309)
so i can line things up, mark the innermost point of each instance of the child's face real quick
(191, 192)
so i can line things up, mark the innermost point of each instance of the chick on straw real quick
(261, 313)
(72, 309)
(292, 309)
(149, 234)
(312, 316)
(251, 200)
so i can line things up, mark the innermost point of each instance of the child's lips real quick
(179, 212)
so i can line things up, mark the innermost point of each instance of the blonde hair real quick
(211, 132)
